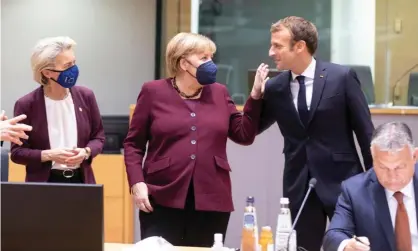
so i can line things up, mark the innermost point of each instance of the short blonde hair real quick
(44, 54)
(183, 45)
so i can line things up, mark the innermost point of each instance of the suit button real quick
(193, 156)
(193, 114)
(193, 142)
(193, 128)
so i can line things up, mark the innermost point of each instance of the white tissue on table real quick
(152, 244)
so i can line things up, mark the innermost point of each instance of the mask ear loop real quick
(191, 65)
(56, 81)
(44, 79)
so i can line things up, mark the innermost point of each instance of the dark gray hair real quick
(392, 136)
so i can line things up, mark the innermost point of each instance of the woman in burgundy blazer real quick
(67, 130)
(183, 189)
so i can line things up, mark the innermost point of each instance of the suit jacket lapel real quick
(40, 109)
(77, 109)
(381, 210)
(318, 87)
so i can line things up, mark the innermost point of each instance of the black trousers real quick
(183, 227)
(312, 222)
(57, 176)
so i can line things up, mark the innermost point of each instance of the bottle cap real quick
(250, 199)
(266, 228)
(218, 238)
(284, 200)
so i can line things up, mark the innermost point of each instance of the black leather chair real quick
(413, 89)
(364, 74)
(4, 164)
(251, 77)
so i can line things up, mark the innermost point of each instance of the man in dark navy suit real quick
(317, 106)
(380, 206)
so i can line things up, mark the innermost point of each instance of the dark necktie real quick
(302, 106)
(402, 230)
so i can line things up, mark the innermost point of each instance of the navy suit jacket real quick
(326, 146)
(363, 210)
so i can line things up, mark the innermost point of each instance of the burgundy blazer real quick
(89, 128)
(186, 143)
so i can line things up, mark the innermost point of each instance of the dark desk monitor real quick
(251, 77)
(51, 217)
(116, 128)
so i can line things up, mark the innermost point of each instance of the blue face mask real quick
(206, 73)
(67, 78)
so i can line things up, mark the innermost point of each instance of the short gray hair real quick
(45, 52)
(392, 136)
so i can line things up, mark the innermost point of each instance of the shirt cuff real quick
(343, 244)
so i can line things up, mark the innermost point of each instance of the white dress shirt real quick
(309, 75)
(409, 201)
(62, 125)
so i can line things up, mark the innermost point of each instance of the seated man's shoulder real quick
(358, 182)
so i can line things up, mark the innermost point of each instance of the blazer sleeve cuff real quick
(343, 245)
(253, 107)
(25, 156)
(135, 177)
(95, 149)
(36, 155)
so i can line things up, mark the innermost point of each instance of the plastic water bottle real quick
(218, 244)
(284, 226)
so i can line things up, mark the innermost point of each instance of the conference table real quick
(126, 247)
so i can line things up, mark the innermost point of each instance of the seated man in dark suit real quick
(380, 205)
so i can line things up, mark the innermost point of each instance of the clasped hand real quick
(71, 157)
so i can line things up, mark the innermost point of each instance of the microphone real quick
(398, 81)
(312, 184)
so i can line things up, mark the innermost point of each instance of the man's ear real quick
(415, 154)
(300, 45)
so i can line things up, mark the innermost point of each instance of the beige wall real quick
(176, 18)
(396, 33)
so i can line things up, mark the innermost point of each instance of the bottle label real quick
(249, 220)
(282, 239)
(284, 222)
